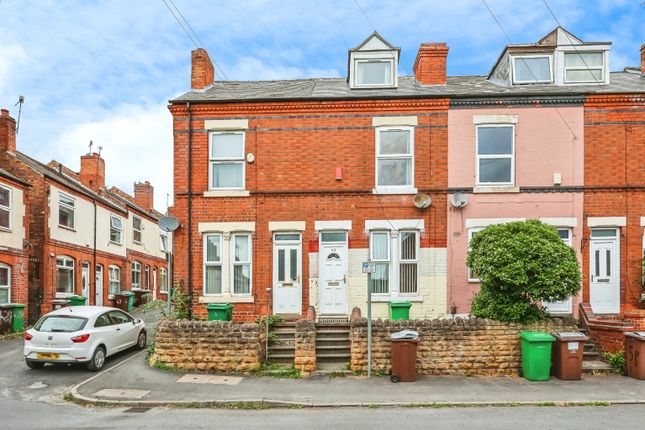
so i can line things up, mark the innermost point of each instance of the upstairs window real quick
(136, 229)
(394, 158)
(65, 211)
(5, 207)
(164, 243)
(374, 73)
(495, 154)
(532, 70)
(584, 67)
(226, 165)
(116, 229)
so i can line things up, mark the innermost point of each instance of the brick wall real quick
(474, 347)
(207, 345)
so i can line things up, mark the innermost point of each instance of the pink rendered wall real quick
(543, 146)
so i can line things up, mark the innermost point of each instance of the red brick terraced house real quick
(83, 238)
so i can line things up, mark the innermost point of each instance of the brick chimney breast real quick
(430, 65)
(7, 132)
(92, 173)
(144, 195)
(643, 58)
(203, 72)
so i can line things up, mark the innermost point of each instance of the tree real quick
(521, 265)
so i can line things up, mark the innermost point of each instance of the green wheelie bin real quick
(18, 318)
(77, 300)
(399, 310)
(536, 355)
(220, 311)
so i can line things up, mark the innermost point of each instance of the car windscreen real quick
(60, 323)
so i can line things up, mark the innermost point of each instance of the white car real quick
(82, 334)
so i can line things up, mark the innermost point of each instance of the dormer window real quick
(532, 69)
(373, 64)
(584, 67)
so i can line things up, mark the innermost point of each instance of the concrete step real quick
(336, 355)
(596, 366)
(341, 344)
(333, 339)
(282, 356)
(281, 347)
(323, 348)
(332, 332)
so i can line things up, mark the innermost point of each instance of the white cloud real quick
(12, 57)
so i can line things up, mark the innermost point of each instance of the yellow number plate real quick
(43, 356)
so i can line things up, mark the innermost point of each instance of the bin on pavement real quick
(404, 356)
(567, 355)
(130, 300)
(635, 354)
(77, 300)
(6, 314)
(536, 355)
(220, 311)
(399, 310)
(141, 297)
(18, 318)
(121, 301)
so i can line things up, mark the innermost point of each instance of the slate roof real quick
(338, 89)
(13, 178)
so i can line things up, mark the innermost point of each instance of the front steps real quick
(592, 361)
(282, 349)
(333, 348)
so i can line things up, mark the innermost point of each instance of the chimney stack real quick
(643, 58)
(92, 171)
(7, 132)
(203, 73)
(430, 66)
(144, 195)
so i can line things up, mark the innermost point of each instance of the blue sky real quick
(104, 70)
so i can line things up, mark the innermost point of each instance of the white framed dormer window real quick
(241, 264)
(395, 160)
(374, 73)
(116, 230)
(212, 264)
(408, 262)
(66, 206)
(584, 67)
(136, 275)
(226, 160)
(136, 230)
(380, 255)
(532, 69)
(471, 232)
(64, 274)
(114, 276)
(495, 154)
(5, 208)
(5, 283)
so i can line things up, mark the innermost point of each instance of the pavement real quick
(133, 383)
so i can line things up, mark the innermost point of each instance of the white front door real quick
(85, 281)
(287, 274)
(333, 278)
(98, 298)
(604, 285)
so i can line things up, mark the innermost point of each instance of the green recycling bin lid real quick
(126, 293)
(219, 306)
(400, 304)
(17, 305)
(536, 336)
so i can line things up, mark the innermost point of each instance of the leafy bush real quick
(180, 304)
(521, 265)
(617, 361)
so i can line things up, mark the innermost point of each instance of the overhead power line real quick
(365, 15)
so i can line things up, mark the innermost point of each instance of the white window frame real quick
(136, 230)
(112, 281)
(495, 156)
(146, 278)
(163, 280)
(7, 208)
(387, 260)
(392, 77)
(64, 266)
(233, 263)
(163, 242)
(207, 263)
(471, 232)
(394, 189)
(225, 160)
(120, 231)
(8, 286)
(68, 206)
(136, 270)
(415, 261)
(569, 240)
(520, 57)
(584, 67)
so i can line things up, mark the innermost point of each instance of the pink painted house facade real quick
(520, 161)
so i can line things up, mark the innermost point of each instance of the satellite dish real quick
(422, 201)
(168, 223)
(458, 200)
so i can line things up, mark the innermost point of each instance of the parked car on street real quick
(82, 334)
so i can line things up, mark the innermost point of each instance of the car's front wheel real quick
(98, 360)
(142, 340)
(34, 364)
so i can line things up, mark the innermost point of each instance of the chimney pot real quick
(203, 72)
(430, 65)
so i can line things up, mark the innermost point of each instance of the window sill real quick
(394, 190)
(64, 227)
(5, 229)
(163, 292)
(226, 299)
(226, 193)
(116, 243)
(64, 295)
(483, 189)
(396, 298)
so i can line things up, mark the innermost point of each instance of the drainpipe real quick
(190, 211)
(94, 265)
